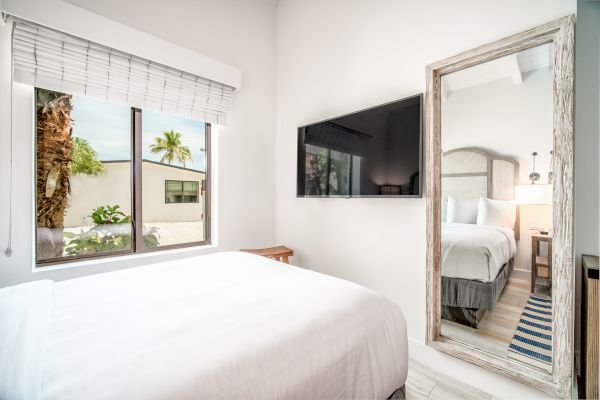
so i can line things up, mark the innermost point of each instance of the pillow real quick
(444, 208)
(463, 211)
(497, 213)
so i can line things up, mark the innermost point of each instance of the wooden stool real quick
(279, 253)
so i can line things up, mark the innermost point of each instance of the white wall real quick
(338, 56)
(508, 119)
(238, 32)
(532, 217)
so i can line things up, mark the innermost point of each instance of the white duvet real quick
(223, 326)
(475, 252)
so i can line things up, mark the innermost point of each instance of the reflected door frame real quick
(561, 34)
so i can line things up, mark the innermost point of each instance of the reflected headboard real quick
(473, 172)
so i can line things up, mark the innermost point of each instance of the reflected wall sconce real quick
(533, 193)
(550, 174)
(534, 176)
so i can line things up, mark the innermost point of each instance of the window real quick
(181, 191)
(328, 172)
(98, 172)
(174, 160)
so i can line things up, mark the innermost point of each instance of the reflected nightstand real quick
(541, 265)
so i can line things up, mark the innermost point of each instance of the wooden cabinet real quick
(541, 264)
(589, 334)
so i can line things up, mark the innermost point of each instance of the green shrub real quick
(85, 158)
(109, 215)
(112, 232)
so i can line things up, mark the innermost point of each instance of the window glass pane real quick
(83, 168)
(190, 186)
(174, 186)
(317, 161)
(173, 165)
(339, 173)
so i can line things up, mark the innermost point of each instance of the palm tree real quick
(170, 145)
(54, 148)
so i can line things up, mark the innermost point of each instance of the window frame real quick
(137, 226)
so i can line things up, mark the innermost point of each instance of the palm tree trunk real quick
(54, 148)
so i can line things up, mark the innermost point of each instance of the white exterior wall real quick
(90, 191)
(153, 197)
(114, 188)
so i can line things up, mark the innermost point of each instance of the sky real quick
(107, 127)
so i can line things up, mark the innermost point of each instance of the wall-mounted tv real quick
(371, 153)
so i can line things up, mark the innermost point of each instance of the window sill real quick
(120, 259)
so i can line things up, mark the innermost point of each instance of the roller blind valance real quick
(58, 61)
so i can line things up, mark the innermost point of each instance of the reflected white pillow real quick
(496, 213)
(444, 209)
(463, 211)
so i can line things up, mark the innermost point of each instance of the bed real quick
(476, 264)
(477, 260)
(223, 326)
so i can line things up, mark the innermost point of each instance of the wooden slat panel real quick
(463, 162)
(591, 379)
(503, 180)
(465, 187)
(591, 323)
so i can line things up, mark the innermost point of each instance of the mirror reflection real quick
(496, 206)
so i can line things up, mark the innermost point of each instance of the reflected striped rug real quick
(532, 341)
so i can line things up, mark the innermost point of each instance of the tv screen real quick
(370, 153)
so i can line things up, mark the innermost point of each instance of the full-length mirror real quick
(496, 203)
(499, 206)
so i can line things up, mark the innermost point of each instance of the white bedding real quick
(476, 252)
(223, 326)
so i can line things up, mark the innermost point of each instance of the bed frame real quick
(465, 301)
(474, 172)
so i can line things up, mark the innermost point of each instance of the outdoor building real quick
(173, 202)
(112, 187)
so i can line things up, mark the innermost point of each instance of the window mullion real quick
(207, 179)
(136, 179)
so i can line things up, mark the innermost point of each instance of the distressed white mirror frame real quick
(561, 34)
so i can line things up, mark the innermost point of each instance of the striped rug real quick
(532, 341)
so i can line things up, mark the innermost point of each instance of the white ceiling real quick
(514, 66)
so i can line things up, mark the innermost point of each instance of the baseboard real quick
(521, 274)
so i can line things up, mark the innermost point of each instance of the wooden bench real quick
(279, 253)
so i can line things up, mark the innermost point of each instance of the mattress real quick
(475, 252)
(223, 326)
(471, 294)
